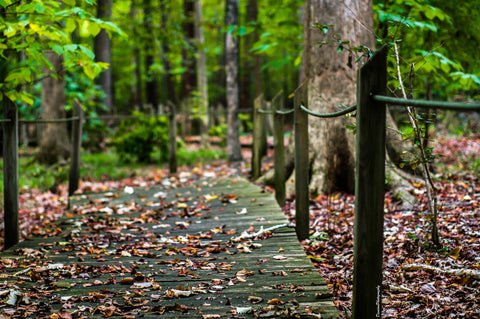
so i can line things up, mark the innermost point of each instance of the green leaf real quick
(58, 49)
(39, 8)
(231, 29)
(93, 28)
(87, 52)
(70, 25)
(69, 2)
(91, 70)
(242, 31)
(71, 47)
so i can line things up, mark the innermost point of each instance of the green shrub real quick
(137, 137)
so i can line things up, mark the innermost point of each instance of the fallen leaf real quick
(275, 301)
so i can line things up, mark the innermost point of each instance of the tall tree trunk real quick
(332, 82)
(251, 81)
(231, 53)
(102, 50)
(188, 77)
(54, 143)
(137, 87)
(151, 83)
(331, 77)
(202, 83)
(168, 79)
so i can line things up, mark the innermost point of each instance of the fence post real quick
(369, 189)
(74, 174)
(172, 138)
(302, 195)
(10, 172)
(258, 136)
(279, 149)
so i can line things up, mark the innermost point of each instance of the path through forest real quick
(214, 247)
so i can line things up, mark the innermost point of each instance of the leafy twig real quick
(429, 184)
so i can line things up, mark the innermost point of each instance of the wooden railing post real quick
(279, 149)
(10, 172)
(172, 138)
(302, 196)
(258, 136)
(74, 174)
(369, 189)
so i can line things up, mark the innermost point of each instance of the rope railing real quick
(443, 105)
(265, 111)
(60, 120)
(329, 115)
(281, 112)
(5, 120)
(284, 112)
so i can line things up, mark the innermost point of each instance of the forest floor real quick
(420, 280)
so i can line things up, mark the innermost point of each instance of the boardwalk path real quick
(162, 251)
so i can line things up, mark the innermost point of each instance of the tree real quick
(331, 77)
(102, 50)
(151, 83)
(202, 83)
(341, 37)
(231, 68)
(54, 143)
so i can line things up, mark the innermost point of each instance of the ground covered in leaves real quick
(420, 281)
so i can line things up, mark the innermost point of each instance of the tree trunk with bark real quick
(331, 77)
(151, 83)
(54, 144)
(202, 83)
(231, 56)
(102, 50)
(137, 85)
(170, 95)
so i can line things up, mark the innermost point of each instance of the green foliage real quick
(219, 131)
(430, 55)
(190, 157)
(246, 122)
(136, 138)
(31, 29)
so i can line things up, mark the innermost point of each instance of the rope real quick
(329, 115)
(454, 106)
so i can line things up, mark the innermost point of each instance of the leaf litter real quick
(418, 280)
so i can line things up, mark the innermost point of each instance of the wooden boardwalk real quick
(167, 252)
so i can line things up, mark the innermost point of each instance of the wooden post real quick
(369, 189)
(258, 134)
(10, 172)
(279, 149)
(302, 197)
(74, 174)
(172, 138)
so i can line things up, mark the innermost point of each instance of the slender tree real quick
(54, 143)
(168, 78)
(137, 85)
(202, 84)
(151, 83)
(102, 50)
(231, 56)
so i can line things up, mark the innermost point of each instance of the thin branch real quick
(430, 185)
